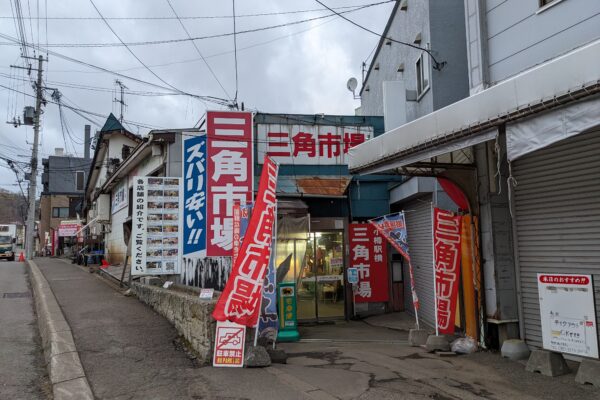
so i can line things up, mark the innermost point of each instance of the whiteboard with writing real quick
(568, 315)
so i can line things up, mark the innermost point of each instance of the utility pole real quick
(122, 100)
(30, 230)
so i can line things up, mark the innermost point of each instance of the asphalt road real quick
(22, 370)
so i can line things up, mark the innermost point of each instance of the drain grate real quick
(16, 295)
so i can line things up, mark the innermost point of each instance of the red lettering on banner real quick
(331, 142)
(240, 299)
(230, 175)
(446, 240)
(304, 143)
(369, 256)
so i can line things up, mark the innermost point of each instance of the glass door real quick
(320, 282)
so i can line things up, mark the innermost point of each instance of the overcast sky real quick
(300, 68)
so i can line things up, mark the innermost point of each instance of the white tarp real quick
(541, 131)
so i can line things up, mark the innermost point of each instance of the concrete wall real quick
(518, 35)
(189, 315)
(61, 173)
(47, 202)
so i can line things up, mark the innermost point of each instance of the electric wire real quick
(197, 49)
(213, 36)
(437, 65)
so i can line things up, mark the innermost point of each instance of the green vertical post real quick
(288, 325)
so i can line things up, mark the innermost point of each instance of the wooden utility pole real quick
(30, 231)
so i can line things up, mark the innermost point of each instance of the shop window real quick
(80, 180)
(422, 66)
(60, 212)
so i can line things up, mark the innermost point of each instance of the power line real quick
(235, 54)
(267, 14)
(219, 35)
(437, 65)
(197, 49)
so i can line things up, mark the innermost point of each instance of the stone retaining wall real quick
(190, 315)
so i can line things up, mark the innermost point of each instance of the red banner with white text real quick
(368, 254)
(240, 300)
(446, 242)
(229, 175)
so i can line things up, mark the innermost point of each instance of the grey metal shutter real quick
(418, 225)
(557, 210)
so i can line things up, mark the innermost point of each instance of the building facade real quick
(523, 149)
(64, 179)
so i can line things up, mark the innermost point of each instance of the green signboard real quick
(288, 326)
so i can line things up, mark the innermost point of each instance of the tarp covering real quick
(545, 129)
(334, 185)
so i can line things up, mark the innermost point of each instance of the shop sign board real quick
(229, 345)
(368, 254)
(393, 228)
(156, 228)
(194, 196)
(309, 144)
(446, 243)
(68, 228)
(120, 197)
(240, 299)
(229, 175)
(568, 315)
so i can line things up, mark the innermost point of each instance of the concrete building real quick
(405, 82)
(112, 144)
(63, 178)
(524, 150)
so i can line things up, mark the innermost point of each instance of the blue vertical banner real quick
(194, 196)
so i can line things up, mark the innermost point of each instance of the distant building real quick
(63, 178)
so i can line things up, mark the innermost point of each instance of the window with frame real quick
(544, 3)
(60, 212)
(80, 180)
(422, 67)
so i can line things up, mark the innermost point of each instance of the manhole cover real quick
(16, 295)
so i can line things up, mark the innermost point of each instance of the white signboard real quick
(120, 196)
(229, 345)
(156, 226)
(309, 144)
(568, 315)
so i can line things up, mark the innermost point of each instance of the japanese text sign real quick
(229, 175)
(229, 345)
(66, 229)
(446, 243)
(309, 144)
(156, 226)
(568, 315)
(120, 196)
(194, 196)
(240, 299)
(368, 254)
(393, 228)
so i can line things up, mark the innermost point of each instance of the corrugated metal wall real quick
(557, 210)
(418, 223)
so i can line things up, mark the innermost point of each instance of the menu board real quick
(156, 226)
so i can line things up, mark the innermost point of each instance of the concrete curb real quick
(62, 360)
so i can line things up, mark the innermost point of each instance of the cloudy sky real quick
(298, 68)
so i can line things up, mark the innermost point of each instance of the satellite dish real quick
(352, 84)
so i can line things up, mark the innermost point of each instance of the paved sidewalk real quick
(22, 370)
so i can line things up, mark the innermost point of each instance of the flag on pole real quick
(240, 300)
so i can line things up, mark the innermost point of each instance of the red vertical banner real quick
(240, 300)
(446, 243)
(368, 254)
(237, 221)
(230, 175)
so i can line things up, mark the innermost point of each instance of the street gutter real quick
(62, 360)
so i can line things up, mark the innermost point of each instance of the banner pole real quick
(437, 330)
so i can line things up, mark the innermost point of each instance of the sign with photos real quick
(156, 240)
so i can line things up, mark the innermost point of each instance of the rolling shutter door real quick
(418, 225)
(557, 212)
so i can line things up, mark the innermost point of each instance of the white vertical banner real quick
(138, 231)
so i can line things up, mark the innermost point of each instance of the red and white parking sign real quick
(368, 254)
(230, 175)
(229, 345)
